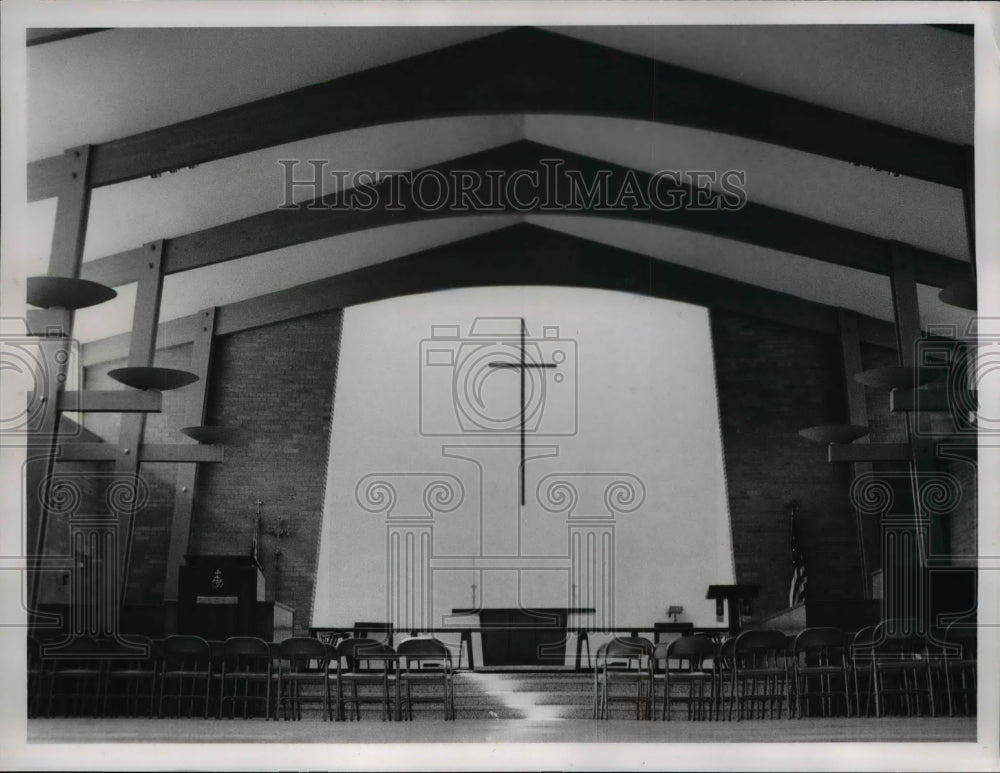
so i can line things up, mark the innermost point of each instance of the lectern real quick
(738, 601)
(218, 596)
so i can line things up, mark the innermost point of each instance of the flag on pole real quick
(255, 545)
(797, 588)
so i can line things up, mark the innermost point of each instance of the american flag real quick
(255, 545)
(797, 588)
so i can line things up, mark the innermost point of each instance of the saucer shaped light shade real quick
(209, 435)
(63, 292)
(834, 433)
(961, 293)
(153, 378)
(898, 377)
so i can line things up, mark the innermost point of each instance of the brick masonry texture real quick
(772, 381)
(276, 385)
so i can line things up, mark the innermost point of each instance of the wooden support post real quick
(111, 401)
(969, 204)
(909, 577)
(147, 452)
(906, 308)
(187, 474)
(141, 351)
(870, 452)
(68, 235)
(857, 409)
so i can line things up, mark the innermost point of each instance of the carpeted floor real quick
(886, 730)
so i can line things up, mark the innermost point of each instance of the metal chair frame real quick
(905, 660)
(304, 661)
(36, 676)
(759, 657)
(722, 666)
(820, 655)
(137, 670)
(246, 661)
(633, 656)
(188, 660)
(961, 665)
(692, 654)
(432, 659)
(77, 664)
(355, 659)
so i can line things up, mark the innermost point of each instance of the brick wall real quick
(773, 381)
(276, 383)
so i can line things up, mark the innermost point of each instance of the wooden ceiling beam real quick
(395, 203)
(542, 256)
(36, 36)
(522, 70)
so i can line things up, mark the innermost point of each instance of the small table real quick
(515, 636)
(684, 629)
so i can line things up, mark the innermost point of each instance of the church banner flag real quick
(797, 588)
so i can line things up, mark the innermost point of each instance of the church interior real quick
(614, 378)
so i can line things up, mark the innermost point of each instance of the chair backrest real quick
(187, 652)
(896, 639)
(963, 638)
(245, 647)
(691, 650)
(759, 647)
(633, 649)
(355, 651)
(180, 645)
(132, 650)
(381, 631)
(302, 648)
(425, 652)
(828, 644)
(34, 654)
(863, 644)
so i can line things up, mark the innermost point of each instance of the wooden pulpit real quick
(737, 599)
(218, 596)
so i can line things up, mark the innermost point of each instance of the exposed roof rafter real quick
(517, 255)
(522, 70)
(320, 218)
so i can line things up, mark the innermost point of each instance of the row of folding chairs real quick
(245, 676)
(767, 674)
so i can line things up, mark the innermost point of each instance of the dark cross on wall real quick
(522, 366)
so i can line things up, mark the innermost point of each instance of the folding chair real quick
(901, 669)
(246, 675)
(187, 662)
(365, 663)
(624, 661)
(693, 655)
(819, 671)
(133, 673)
(760, 673)
(425, 663)
(304, 661)
(74, 674)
